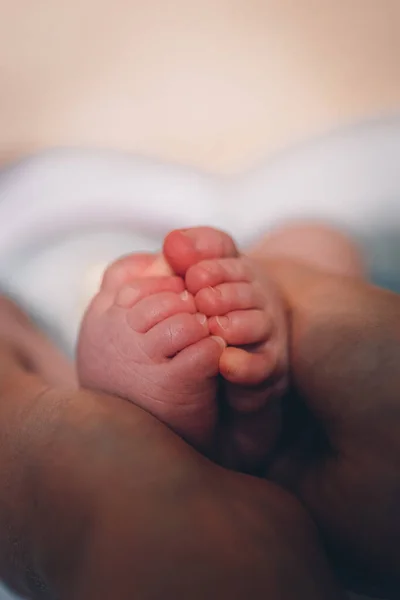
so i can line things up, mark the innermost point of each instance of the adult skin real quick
(99, 500)
(343, 453)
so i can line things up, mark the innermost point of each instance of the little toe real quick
(228, 297)
(242, 327)
(132, 293)
(154, 309)
(186, 247)
(200, 360)
(174, 334)
(209, 273)
(249, 369)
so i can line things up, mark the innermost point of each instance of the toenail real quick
(219, 341)
(214, 290)
(185, 296)
(223, 322)
(159, 267)
(201, 318)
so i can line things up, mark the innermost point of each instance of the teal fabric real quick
(5, 595)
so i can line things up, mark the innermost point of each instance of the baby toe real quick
(214, 272)
(242, 327)
(150, 311)
(126, 269)
(186, 247)
(132, 293)
(200, 360)
(228, 297)
(248, 369)
(175, 333)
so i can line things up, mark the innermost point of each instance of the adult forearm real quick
(19, 390)
(41, 508)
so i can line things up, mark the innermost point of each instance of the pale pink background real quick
(214, 83)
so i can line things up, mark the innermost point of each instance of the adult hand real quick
(34, 349)
(343, 455)
(98, 500)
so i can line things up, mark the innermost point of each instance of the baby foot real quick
(143, 339)
(243, 308)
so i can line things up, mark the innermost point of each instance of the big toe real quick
(184, 248)
(132, 267)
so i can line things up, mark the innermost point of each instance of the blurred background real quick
(211, 83)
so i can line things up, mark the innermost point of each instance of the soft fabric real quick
(65, 214)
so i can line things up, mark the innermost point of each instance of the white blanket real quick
(65, 214)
